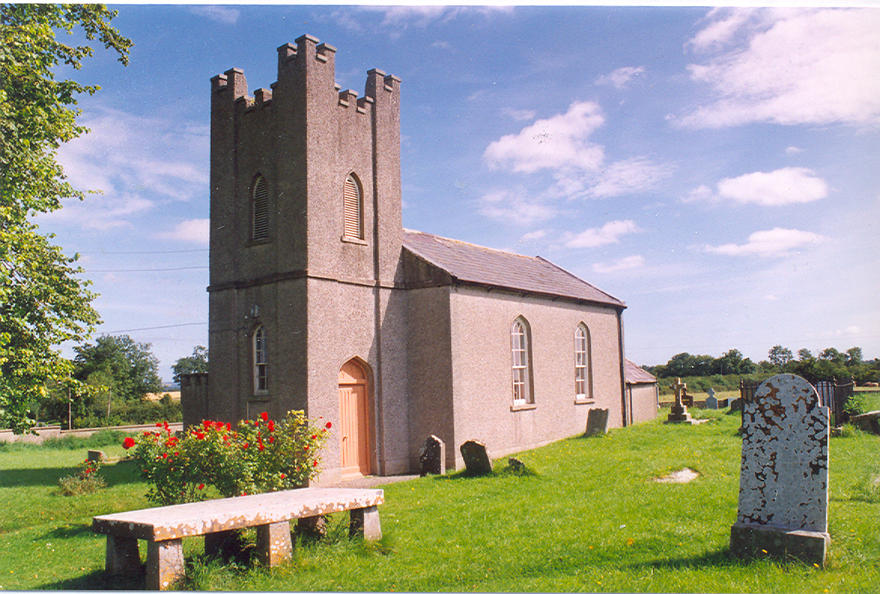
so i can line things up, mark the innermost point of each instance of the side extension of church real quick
(320, 300)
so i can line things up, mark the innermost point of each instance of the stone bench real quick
(164, 527)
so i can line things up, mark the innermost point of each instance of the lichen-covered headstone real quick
(432, 456)
(597, 422)
(783, 492)
(476, 458)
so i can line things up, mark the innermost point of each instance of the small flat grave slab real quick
(685, 475)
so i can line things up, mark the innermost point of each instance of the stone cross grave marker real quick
(432, 456)
(678, 413)
(597, 422)
(783, 489)
(711, 401)
(476, 458)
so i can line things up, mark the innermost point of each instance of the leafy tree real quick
(730, 362)
(42, 300)
(832, 355)
(680, 365)
(128, 368)
(779, 356)
(854, 356)
(805, 355)
(195, 363)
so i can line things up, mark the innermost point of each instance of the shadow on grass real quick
(719, 558)
(98, 580)
(114, 474)
(68, 531)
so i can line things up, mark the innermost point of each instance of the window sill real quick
(259, 397)
(354, 240)
(519, 407)
(585, 401)
(253, 242)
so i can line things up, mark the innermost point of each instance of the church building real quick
(320, 300)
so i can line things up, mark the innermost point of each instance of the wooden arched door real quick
(354, 420)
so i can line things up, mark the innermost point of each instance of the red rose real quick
(315, 463)
(207, 424)
(200, 435)
(329, 424)
(201, 486)
(283, 476)
(271, 425)
(264, 416)
(245, 445)
(219, 425)
(271, 440)
(128, 443)
(229, 426)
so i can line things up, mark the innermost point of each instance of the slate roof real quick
(636, 375)
(470, 263)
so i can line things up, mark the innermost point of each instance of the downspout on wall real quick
(623, 408)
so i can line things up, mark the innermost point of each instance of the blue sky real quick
(716, 169)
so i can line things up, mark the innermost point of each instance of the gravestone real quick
(597, 422)
(96, 456)
(711, 401)
(736, 404)
(678, 413)
(783, 489)
(432, 456)
(476, 458)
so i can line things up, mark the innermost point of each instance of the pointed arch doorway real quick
(354, 419)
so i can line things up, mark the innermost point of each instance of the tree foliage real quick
(195, 363)
(42, 300)
(128, 369)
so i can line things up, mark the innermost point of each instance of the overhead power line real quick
(157, 327)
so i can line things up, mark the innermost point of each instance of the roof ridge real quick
(475, 245)
(574, 276)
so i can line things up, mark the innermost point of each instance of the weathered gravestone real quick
(432, 456)
(597, 422)
(711, 401)
(96, 456)
(869, 422)
(783, 489)
(736, 404)
(476, 458)
(678, 413)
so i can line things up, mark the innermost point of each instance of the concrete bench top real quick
(206, 517)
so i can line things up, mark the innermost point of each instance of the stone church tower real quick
(305, 254)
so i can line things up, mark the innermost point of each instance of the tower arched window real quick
(261, 361)
(583, 380)
(352, 208)
(521, 362)
(260, 209)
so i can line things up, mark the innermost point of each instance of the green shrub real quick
(86, 480)
(857, 404)
(253, 457)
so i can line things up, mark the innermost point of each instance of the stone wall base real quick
(749, 540)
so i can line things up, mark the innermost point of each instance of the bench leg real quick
(122, 555)
(164, 563)
(365, 521)
(273, 543)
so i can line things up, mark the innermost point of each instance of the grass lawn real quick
(590, 518)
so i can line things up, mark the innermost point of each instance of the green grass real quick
(590, 518)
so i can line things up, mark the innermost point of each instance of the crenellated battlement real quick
(302, 66)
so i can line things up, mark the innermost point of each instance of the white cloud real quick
(621, 77)
(790, 185)
(561, 145)
(789, 66)
(191, 230)
(793, 150)
(627, 263)
(534, 235)
(135, 162)
(519, 115)
(402, 17)
(627, 177)
(510, 206)
(772, 243)
(610, 232)
(219, 14)
(558, 142)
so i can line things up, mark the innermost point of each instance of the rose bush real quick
(86, 480)
(254, 456)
